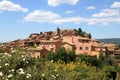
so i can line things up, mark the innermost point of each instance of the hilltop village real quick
(71, 39)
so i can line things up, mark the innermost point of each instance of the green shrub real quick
(90, 60)
(61, 54)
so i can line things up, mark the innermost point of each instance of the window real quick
(42, 45)
(101, 50)
(87, 41)
(51, 46)
(80, 48)
(86, 48)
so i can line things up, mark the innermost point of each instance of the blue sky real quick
(20, 18)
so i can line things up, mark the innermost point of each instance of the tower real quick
(58, 31)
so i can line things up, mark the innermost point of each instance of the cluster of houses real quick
(52, 41)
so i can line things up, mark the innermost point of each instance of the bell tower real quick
(58, 31)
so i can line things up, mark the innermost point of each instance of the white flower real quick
(43, 75)
(23, 59)
(13, 51)
(1, 74)
(53, 76)
(21, 71)
(27, 62)
(6, 64)
(7, 54)
(12, 70)
(57, 75)
(55, 70)
(52, 61)
(28, 75)
(6, 78)
(22, 56)
(0, 67)
(9, 76)
(9, 70)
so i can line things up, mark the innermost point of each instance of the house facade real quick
(88, 46)
(82, 45)
(50, 45)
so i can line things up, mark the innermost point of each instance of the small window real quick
(83, 41)
(101, 50)
(80, 48)
(42, 45)
(51, 46)
(38, 56)
(87, 41)
(86, 48)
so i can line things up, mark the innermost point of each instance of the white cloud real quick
(41, 16)
(76, 20)
(9, 6)
(115, 5)
(90, 21)
(59, 2)
(68, 12)
(104, 17)
(91, 7)
(107, 13)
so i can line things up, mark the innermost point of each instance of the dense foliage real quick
(17, 66)
(61, 54)
(82, 33)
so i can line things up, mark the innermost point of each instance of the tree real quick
(90, 60)
(41, 33)
(50, 56)
(89, 36)
(61, 54)
(79, 30)
(71, 56)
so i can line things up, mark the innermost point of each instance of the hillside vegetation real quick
(111, 40)
(61, 65)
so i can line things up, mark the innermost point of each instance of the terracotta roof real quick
(56, 37)
(95, 40)
(117, 50)
(99, 45)
(104, 45)
(47, 41)
(69, 43)
(78, 37)
(110, 45)
(35, 49)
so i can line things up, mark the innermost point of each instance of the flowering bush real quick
(16, 66)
